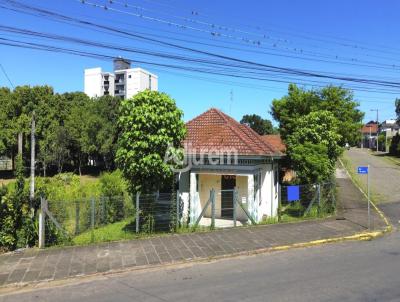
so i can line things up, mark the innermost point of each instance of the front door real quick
(228, 184)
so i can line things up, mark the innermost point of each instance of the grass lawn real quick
(121, 230)
(6, 181)
(375, 197)
(390, 159)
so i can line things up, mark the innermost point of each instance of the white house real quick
(224, 155)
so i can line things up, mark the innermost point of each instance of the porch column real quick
(251, 206)
(195, 206)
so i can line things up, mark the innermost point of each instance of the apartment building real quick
(124, 81)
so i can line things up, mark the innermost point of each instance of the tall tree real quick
(258, 124)
(150, 123)
(313, 147)
(107, 110)
(397, 104)
(337, 100)
(81, 125)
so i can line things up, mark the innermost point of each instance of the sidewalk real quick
(60, 263)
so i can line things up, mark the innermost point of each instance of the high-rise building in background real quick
(124, 82)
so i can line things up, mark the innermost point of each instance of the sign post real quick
(365, 170)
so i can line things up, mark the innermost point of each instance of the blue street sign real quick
(293, 193)
(362, 170)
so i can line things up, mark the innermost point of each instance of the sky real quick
(359, 38)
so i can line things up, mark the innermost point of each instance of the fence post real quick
(137, 211)
(319, 199)
(212, 196)
(234, 206)
(42, 222)
(92, 218)
(279, 201)
(103, 209)
(177, 210)
(77, 218)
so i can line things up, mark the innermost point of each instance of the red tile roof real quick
(369, 127)
(275, 141)
(214, 131)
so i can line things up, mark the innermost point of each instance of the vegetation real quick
(71, 128)
(309, 124)
(150, 125)
(258, 124)
(338, 101)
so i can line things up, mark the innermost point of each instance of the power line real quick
(61, 17)
(6, 75)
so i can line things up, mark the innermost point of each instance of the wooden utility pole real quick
(33, 141)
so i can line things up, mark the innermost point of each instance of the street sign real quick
(362, 170)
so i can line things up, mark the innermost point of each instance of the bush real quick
(112, 184)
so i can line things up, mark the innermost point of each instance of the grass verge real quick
(375, 197)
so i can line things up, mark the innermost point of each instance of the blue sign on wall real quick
(293, 193)
(362, 170)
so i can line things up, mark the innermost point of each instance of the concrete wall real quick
(139, 81)
(93, 82)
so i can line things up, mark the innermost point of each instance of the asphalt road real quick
(352, 271)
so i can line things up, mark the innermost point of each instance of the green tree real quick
(149, 123)
(300, 102)
(81, 124)
(107, 110)
(397, 104)
(313, 148)
(258, 124)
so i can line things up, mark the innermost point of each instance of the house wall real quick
(268, 206)
(213, 181)
(259, 200)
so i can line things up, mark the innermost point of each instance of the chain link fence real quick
(314, 200)
(108, 218)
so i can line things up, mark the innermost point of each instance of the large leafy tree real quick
(81, 125)
(337, 100)
(313, 147)
(107, 110)
(150, 123)
(258, 124)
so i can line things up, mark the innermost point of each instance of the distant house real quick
(390, 127)
(369, 134)
(223, 155)
(5, 164)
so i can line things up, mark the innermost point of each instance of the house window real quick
(149, 81)
(130, 76)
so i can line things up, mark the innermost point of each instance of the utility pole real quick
(33, 141)
(377, 128)
(20, 143)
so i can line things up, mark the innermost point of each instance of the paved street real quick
(384, 175)
(352, 271)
